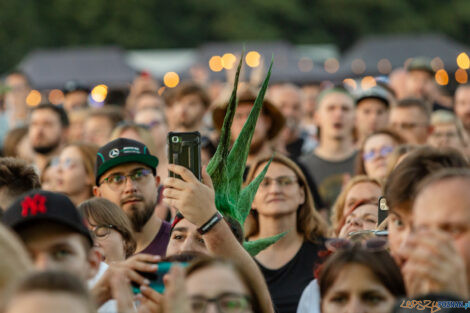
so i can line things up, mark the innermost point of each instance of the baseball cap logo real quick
(33, 205)
(114, 153)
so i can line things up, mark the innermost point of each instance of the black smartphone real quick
(156, 278)
(184, 148)
(382, 210)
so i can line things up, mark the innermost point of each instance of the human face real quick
(185, 237)
(335, 116)
(47, 302)
(213, 281)
(445, 206)
(50, 178)
(156, 121)
(72, 176)
(376, 155)
(55, 247)
(362, 191)
(288, 101)
(110, 240)
(363, 217)
(411, 123)
(357, 290)
(462, 106)
(75, 100)
(417, 82)
(148, 101)
(273, 199)
(400, 224)
(263, 124)
(137, 198)
(445, 135)
(97, 130)
(186, 113)
(371, 115)
(45, 131)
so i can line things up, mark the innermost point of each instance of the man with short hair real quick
(186, 105)
(100, 123)
(19, 87)
(75, 96)
(462, 105)
(126, 175)
(293, 139)
(439, 252)
(419, 77)
(372, 110)
(16, 178)
(47, 134)
(411, 118)
(148, 100)
(332, 161)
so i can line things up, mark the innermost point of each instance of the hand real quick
(434, 265)
(102, 291)
(194, 199)
(175, 297)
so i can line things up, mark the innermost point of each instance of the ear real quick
(96, 191)
(94, 260)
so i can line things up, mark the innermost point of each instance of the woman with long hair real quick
(284, 204)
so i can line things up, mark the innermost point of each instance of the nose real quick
(188, 245)
(42, 262)
(130, 186)
(212, 308)
(355, 306)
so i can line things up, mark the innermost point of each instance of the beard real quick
(139, 217)
(46, 149)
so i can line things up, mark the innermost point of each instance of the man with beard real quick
(185, 107)
(462, 105)
(126, 175)
(47, 132)
(268, 125)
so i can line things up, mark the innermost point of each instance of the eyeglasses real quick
(227, 302)
(116, 181)
(408, 126)
(374, 244)
(383, 152)
(282, 181)
(102, 231)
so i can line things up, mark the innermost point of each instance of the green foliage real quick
(138, 24)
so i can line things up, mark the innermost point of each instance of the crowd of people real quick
(363, 190)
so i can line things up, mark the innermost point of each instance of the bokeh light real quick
(461, 76)
(442, 78)
(216, 64)
(358, 66)
(351, 83)
(171, 79)
(331, 65)
(99, 93)
(463, 61)
(253, 59)
(305, 64)
(384, 66)
(368, 82)
(34, 98)
(161, 90)
(228, 60)
(56, 96)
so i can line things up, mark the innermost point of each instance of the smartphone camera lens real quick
(175, 139)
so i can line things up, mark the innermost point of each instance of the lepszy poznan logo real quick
(114, 153)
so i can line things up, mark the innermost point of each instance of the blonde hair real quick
(337, 211)
(309, 222)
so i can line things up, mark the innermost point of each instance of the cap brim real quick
(146, 159)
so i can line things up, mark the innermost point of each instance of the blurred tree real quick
(138, 24)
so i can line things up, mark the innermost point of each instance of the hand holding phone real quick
(156, 278)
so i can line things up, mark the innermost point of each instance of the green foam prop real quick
(227, 166)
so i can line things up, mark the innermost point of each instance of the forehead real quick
(364, 190)
(447, 201)
(365, 209)
(125, 168)
(212, 281)
(71, 151)
(185, 226)
(44, 115)
(145, 116)
(50, 302)
(275, 169)
(336, 99)
(406, 113)
(371, 103)
(378, 140)
(356, 277)
(42, 236)
(463, 92)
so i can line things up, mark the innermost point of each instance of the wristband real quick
(210, 223)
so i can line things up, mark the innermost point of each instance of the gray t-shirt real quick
(330, 176)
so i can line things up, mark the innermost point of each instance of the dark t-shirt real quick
(160, 242)
(287, 283)
(329, 175)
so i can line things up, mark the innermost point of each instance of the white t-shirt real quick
(310, 299)
(110, 306)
